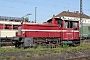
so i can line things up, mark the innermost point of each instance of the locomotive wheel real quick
(19, 44)
(47, 42)
(44, 45)
(16, 44)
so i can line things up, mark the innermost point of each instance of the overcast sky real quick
(45, 8)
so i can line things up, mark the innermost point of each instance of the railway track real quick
(10, 43)
(6, 44)
(80, 58)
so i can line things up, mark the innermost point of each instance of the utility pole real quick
(81, 22)
(0, 38)
(35, 14)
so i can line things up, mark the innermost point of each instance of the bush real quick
(56, 51)
(69, 50)
(48, 52)
(61, 49)
(28, 55)
(20, 57)
(7, 57)
(2, 58)
(39, 48)
(65, 46)
(40, 53)
(12, 58)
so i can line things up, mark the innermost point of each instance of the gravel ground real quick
(62, 56)
(79, 55)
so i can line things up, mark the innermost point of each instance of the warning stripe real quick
(53, 30)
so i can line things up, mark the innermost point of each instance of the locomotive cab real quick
(69, 31)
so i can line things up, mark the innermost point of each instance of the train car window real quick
(68, 24)
(8, 26)
(1, 26)
(75, 26)
(49, 21)
(71, 26)
(60, 22)
(15, 27)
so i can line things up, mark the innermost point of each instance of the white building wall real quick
(84, 20)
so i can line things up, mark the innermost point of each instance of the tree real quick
(26, 19)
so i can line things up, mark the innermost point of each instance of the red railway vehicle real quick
(55, 32)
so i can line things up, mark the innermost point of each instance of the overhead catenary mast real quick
(81, 22)
(35, 14)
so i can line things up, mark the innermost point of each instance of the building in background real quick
(67, 15)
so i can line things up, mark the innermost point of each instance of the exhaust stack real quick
(54, 20)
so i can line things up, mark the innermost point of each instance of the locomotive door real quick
(76, 30)
(68, 33)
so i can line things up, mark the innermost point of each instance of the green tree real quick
(26, 19)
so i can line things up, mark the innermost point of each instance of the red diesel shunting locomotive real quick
(55, 32)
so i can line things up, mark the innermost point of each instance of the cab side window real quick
(68, 24)
(75, 26)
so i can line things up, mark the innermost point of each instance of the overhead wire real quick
(40, 4)
(23, 2)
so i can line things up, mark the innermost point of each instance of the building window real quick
(82, 20)
(63, 17)
(85, 20)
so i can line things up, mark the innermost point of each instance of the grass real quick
(65, 46)
(12, 58)
(7, 57)
(59, 49)
(69, 50)
(56, 51)
(40, 51)
(28, 55)
(2, 58)
(48, 52)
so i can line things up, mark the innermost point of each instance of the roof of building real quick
(72, 14)
(10, 18)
